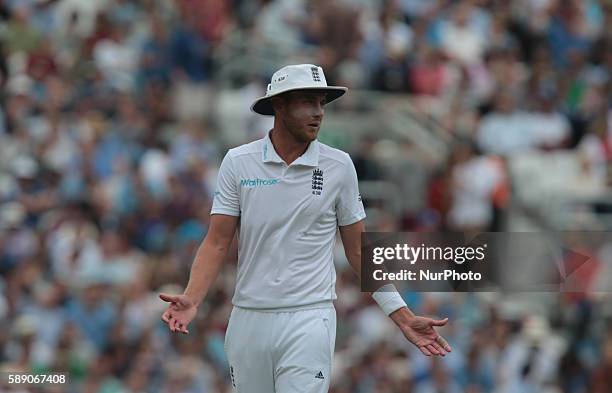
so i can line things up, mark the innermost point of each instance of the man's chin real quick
(311, 133)
(306, 135)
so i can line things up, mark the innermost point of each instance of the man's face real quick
(301, 113)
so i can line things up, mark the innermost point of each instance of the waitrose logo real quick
(258, 182)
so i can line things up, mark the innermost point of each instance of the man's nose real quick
(318, 111)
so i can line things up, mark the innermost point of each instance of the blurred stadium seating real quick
(474, 115)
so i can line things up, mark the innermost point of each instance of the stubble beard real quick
(298, 132)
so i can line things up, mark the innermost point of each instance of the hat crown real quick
(296, 76)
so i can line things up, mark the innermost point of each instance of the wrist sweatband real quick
(388, 298)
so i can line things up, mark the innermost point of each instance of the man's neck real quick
(286, 146)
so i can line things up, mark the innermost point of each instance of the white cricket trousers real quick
(286, 351)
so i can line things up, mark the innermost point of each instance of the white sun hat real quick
(296, 77)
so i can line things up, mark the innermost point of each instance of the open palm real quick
(179, 313)
(420, 331)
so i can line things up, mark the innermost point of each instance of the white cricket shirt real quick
(288, 220)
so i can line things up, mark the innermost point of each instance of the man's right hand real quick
(180, 312)
(204, 271)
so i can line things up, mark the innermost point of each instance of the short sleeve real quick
(226, 199)
(349, 208)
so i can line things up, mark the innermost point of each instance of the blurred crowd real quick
(110, 141)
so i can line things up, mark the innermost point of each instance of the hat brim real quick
(263, 105)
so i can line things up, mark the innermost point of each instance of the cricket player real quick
(287, 194)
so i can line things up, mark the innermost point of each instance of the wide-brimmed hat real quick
(296, 77)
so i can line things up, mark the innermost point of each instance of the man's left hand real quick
(420, 331)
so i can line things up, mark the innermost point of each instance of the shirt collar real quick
(309, 158)
(269, 153)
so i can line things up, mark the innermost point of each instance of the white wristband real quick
(388, 298)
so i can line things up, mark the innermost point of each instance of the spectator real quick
(505, 129)
(19, 35)
(474, 183)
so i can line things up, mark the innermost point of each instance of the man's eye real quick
(314, 101)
